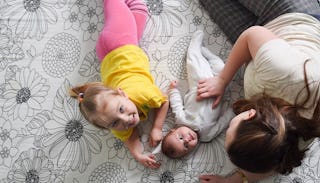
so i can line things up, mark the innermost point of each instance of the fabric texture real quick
(300, 41)
(234, 16)
(127, 68)
(199, 116)
(230, 15)
(267, 10)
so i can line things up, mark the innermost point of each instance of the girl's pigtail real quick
(79, 91)
(85, 95)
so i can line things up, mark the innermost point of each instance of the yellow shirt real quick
(127, 67)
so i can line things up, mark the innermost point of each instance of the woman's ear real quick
(250, 114)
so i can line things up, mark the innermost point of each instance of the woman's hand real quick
(213, 179)
(211, 87)
(148, 160)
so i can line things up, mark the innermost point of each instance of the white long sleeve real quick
(199, 115)
(176, 105)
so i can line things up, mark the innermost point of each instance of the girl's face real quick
(116, 111)
(183, 139)
(234, 123)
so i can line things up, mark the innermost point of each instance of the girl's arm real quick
(244, 49)
(159, 118)
(136, 149)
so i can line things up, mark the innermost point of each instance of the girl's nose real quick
(127, 122)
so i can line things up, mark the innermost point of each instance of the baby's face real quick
(183, 140)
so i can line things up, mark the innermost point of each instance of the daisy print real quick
(25, 93)
(163, 18)
(72, 140)
(30, 18)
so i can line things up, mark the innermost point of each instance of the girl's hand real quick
(155, 137)
(149, 160)
(213, 179)
(211, 87)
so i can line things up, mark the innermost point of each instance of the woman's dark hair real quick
(269, 140)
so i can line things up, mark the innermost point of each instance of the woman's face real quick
(234, 123)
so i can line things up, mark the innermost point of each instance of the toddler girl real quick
(128, 90)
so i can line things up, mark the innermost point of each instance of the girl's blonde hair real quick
(86, 95)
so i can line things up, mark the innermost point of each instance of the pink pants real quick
(124, 24)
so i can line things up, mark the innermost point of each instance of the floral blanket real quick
(48, 46)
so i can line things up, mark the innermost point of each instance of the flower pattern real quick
(72, 140)
(48, 46)
(116, 148)
(163, 18)
(7, 150)
(176, 58)
(61, 54)
(25, 93)
(90, 64)
(30, 18)
(85, 15)
(171, 171)
(32, 166)
(10, 47)
(92, 21)
(108, 172)
(197, 18)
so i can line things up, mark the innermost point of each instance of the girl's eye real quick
(180, 137)
(121, 110)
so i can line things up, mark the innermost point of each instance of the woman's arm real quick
(239, 176)
(244, 49)
(136, 148)
(159, 118)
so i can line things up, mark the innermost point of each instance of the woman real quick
(281, 85)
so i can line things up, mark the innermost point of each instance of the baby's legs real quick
(198, 66)
(120, 27)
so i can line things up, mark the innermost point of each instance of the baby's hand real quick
(149, 160)
(155, 137)
(173, 84)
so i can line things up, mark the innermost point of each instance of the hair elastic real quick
(80, 97)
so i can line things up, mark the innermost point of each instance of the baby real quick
(196, 120)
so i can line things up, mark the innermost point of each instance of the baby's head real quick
(179, 142)
(105, 107)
